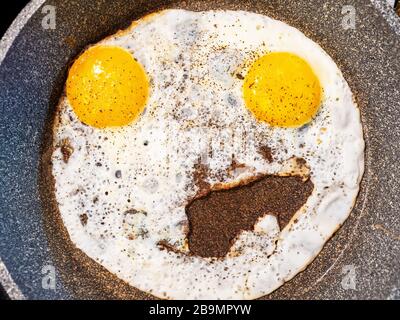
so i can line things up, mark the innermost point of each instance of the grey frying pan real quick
(38, 261)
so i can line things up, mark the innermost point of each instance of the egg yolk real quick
(282, 90)
(107, 87)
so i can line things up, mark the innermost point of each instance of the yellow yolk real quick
(107, 87)
(282, 90)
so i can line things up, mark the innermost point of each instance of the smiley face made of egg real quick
(183, 142)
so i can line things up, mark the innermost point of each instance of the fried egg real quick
(144, 107)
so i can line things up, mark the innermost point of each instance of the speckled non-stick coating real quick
(31, 82)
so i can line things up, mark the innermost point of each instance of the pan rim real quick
(6, 42)
(31, 8)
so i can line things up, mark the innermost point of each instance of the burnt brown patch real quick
(301, 162)
(134, 211)
(199, 177)
(239, 76)
(165, 245)
(84, 219)
(218, 217)
(236, 165)
(66, 149)
(266, 153)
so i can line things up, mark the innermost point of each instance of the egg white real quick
(196, 111)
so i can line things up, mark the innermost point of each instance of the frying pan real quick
(361, 261)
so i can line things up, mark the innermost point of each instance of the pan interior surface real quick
(31, 232)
